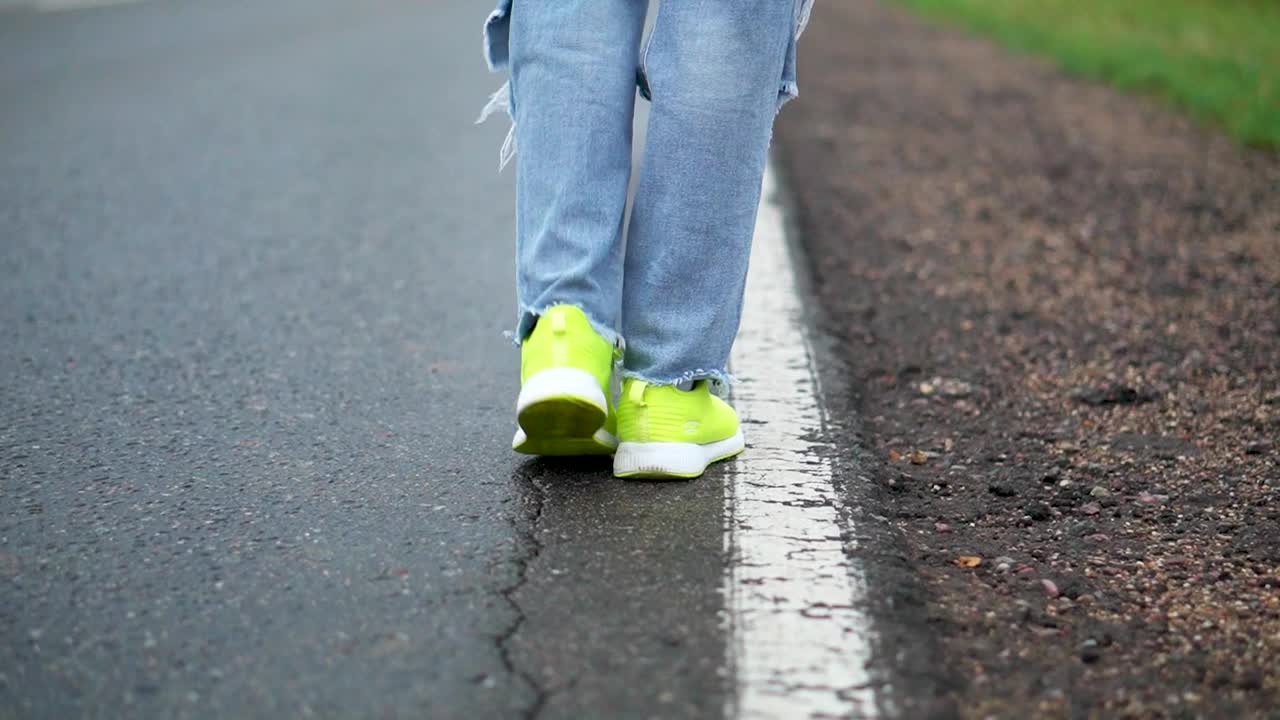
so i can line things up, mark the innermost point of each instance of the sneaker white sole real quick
(562, 411)
(672, 460)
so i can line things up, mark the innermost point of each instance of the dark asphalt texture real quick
(256, 265)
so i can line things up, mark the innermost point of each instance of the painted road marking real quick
(799, 641)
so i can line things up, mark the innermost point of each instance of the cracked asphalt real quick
(257, 265)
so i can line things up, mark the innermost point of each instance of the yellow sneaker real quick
(565, 406)
(668, 433)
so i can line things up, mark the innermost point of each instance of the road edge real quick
(913, 680)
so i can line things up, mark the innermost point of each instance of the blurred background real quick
(1216, 59)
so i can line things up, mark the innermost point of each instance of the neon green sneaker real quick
(565, 406)
(668, 433)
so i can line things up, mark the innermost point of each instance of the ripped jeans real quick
(716, 72)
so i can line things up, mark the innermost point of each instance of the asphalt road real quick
(256, 265)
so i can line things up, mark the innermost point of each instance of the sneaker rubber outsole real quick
(670, 460)
(562, 411)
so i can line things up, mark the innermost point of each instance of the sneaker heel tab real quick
(558, 323)
(635, 393)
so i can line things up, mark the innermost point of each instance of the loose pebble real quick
(1050, 587)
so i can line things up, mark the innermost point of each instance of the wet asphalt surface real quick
(256, 265)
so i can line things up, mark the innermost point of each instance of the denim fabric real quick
(497, 50)
(716, 72)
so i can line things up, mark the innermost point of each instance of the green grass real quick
(1216, 59)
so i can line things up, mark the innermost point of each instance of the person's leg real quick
(714, 71)
(715, 74)
(573, 82)
(573, 74)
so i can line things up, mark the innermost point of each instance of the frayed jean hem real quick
(718, 377)
(529, 317)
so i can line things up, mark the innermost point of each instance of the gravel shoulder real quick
(1058, 309)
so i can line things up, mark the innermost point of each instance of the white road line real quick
(799, 641)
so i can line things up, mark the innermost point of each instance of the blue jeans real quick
(716, 72)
